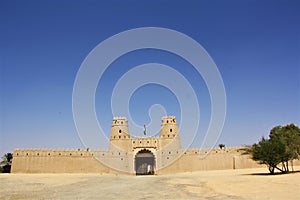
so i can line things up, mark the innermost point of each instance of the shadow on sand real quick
(269, 174)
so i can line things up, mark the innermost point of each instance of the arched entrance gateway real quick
(144, 162)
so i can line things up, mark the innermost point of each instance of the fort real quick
(131, 155)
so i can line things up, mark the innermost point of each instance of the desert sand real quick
(220, 184)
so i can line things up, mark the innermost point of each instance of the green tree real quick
(268, 152)
(290, 136)
(6, 162)
(7, 157)
(282, 147)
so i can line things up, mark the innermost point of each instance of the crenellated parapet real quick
(214, 151)
(149, 142)
(54, 152)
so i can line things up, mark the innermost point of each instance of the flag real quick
(144, 129)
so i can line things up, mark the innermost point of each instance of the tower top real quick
(119, 129)
(168, 120)
(120, 118)
(119, 121)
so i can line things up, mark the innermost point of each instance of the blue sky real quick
(255, 45)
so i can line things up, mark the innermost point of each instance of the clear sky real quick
(255, 45)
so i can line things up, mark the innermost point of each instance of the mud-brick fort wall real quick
(57, 161)
(217, 159)
(82, 161)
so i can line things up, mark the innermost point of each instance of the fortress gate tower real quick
(144, 152)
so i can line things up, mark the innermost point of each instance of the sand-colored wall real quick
(217, 159)
(85, 161)
(57, 161)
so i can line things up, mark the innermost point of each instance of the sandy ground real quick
(221, 184)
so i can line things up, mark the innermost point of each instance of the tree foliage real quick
(6, 163)
(290, 135)
(7, 157)
(282, 147)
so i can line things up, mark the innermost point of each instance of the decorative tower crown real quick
(119, 128)
(169, 127)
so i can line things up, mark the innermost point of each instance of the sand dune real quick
(221, 184)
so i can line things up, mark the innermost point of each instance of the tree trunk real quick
(283, 166)
(282, 171)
